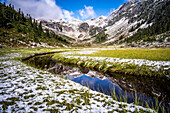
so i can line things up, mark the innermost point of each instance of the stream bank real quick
(152, 87)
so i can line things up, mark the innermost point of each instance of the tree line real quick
(160, 20)
(10, 18)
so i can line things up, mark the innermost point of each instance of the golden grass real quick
(149, 54)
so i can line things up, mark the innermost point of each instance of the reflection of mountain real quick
(104, 86)
(107, 87)
(97, 84)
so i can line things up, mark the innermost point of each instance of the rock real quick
(84, 70)
(58, 68)
(84, 27)
(76, 69)
(68, 29)
(66, 68)
(92, 76)
(101, 77)
(81, 35)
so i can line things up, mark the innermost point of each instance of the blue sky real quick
(67, 9)
(101, 7)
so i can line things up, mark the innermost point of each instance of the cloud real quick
(111, 11)
(68, 15)
(126, 0)
(88, 12)
(129, 0)
(44, 9)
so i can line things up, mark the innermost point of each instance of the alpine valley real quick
(118, 63)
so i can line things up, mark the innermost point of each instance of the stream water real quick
(107, 87)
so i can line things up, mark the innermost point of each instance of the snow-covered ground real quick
(100, 21)
(78, 52)
(26, 89)
(154, 65)
(120, 27)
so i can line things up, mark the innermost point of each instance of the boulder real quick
(84, 70)
(58, 68)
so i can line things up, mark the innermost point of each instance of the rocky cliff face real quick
(123, 22)
(76, 29)
(133, 15)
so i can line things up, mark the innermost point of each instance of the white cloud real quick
(126, 0)
(68, 15)
(81, 12)
(88, 12)
(45, 9)
(111, 11)
(129, 0)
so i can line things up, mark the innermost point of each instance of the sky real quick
(66, 9)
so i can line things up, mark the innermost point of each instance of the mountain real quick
(76, 29)
(144, 21)
(139, 21)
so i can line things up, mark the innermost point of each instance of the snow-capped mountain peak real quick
(125, 21)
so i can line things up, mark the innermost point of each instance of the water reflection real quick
(107, 87)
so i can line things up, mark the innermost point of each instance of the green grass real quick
(149, 54)
(114, 68)
(127, 69)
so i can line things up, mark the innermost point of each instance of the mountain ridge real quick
(121, 24)
(144, 23)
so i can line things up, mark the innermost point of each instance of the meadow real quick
(145, 62)
(27, 89)
(149, 54)
(50, 87)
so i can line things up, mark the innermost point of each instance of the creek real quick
(107, 87)
(133, 89)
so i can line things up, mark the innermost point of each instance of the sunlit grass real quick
(111, 67)
(149, 54)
